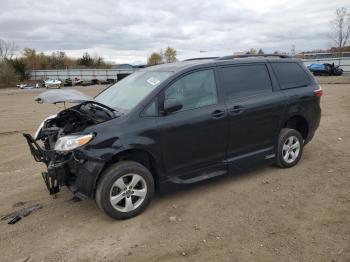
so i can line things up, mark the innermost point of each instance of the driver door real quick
(194, 138)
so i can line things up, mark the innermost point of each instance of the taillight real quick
(318, 92)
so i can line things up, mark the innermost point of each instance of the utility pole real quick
(293, 50)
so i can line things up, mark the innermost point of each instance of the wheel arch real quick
(299, 123)
(141, 156)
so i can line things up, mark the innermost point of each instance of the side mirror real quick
(172, 105)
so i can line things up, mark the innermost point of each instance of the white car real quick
(52, 83)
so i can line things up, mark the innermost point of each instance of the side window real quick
(245, 80)
(290, 75)
(194, 90)
(151, 110)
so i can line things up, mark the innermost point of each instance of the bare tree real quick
(341, 28)
(7, 49)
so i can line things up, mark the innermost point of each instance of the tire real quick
(118, 194)
(289, 148)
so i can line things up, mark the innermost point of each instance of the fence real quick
(84, 74)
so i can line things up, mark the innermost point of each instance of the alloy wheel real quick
(128, 192)
(291, 149)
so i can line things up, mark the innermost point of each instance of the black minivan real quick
(177, 124)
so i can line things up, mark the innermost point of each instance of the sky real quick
(129, 31)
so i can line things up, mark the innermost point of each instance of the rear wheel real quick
(125, 190)
(290, 148)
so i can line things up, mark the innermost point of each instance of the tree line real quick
(168, 56)
(16, 67)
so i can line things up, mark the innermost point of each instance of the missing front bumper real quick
(56, 174)
(39, 154)
(77, 171)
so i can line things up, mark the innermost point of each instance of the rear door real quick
(254, 114)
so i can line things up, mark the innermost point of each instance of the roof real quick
(177, 66)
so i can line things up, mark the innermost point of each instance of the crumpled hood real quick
(59, 96)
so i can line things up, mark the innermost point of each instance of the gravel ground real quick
(271, 214)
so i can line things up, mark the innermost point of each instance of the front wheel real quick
(290, 148)
(125, 189)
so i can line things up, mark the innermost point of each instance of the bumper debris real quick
(16, 216)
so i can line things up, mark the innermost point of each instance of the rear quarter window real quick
(245, 80)
(290, 75)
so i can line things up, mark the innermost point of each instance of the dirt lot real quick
(297, 214)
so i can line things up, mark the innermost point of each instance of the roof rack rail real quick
(248, 55)
(202, 58)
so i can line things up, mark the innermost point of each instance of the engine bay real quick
(72, 120)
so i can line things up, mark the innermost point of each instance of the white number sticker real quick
(153, 81)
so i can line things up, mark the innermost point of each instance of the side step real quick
(205, 176)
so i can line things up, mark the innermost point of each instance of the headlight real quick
(67, 143)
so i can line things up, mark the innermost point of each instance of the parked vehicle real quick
(72, 82)
(52, 83)
(28, 86)
(107, 81)
(177, 124)
(95, 81)
(325, 69)
(86, 83)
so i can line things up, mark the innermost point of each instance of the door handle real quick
(218, 114)
(236, 110)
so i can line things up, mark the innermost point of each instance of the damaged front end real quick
(60, 142)
(52, 178)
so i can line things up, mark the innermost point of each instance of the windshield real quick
(127, 93)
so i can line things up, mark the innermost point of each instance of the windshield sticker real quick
(153, 81)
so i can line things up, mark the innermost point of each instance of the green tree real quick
(8, 75)
(260, 52)
(170, 55)
(252, 51)
(86, 60)
(29, 53)
(98, 62)
(20, 68)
